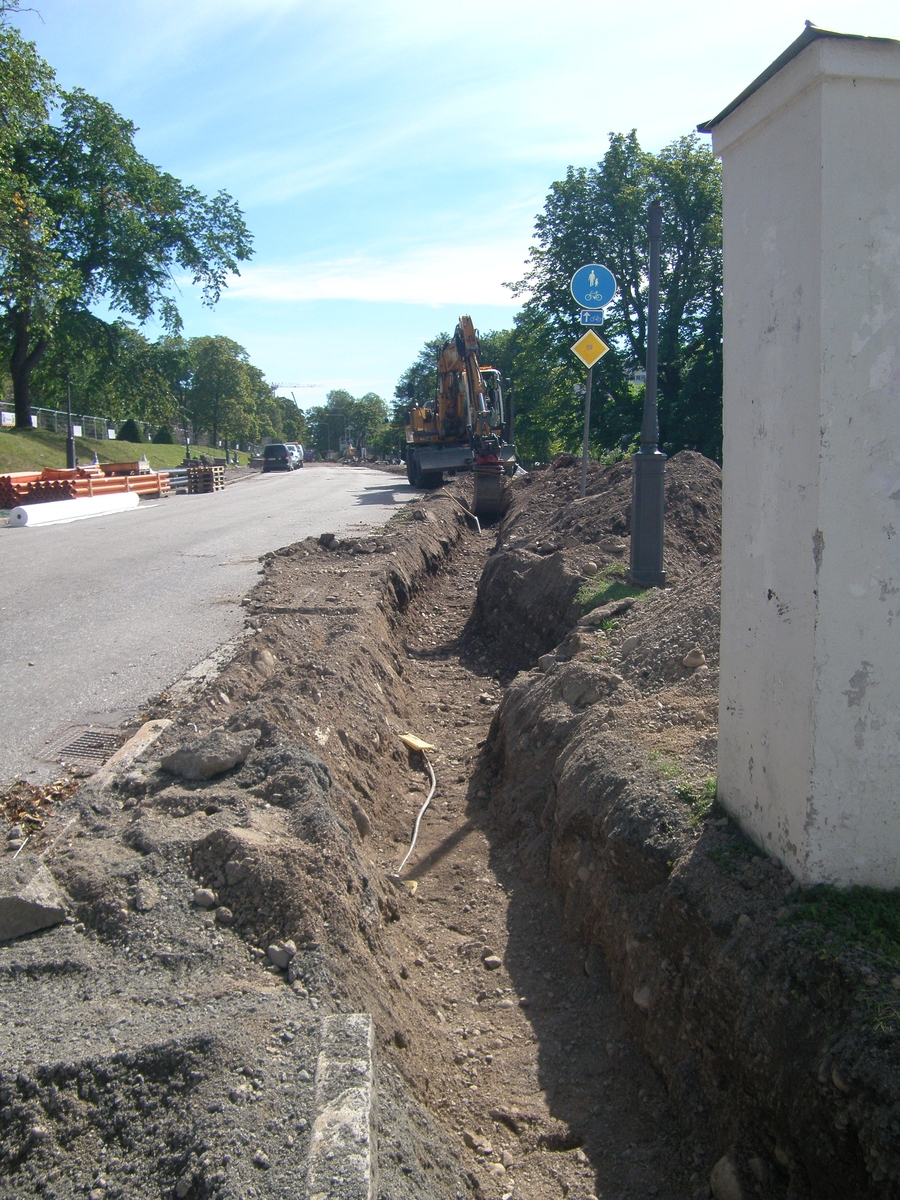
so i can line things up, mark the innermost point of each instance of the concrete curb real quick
(343, 1158)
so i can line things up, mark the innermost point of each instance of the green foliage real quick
(164, 436)
(609, 584)
(130, 431)
(345, 420)
(701, 798)
(600, 215)
(84, 217)
(666, 765)
(855, 918)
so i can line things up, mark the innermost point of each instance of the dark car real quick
(277, 457)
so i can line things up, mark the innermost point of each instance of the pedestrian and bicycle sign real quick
(593, 286)
(590, 348)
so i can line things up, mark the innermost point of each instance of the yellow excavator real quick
(463, 429)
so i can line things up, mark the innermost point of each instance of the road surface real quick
(97, 616)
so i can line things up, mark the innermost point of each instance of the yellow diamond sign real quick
(590, 348)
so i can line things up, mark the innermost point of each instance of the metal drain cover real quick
(84, 746)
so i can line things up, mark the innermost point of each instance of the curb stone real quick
(343, 1162)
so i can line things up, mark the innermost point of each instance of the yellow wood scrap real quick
(414, 743)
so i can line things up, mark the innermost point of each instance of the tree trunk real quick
(21, 363)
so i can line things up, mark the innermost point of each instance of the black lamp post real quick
(70, 433)
(648, 494)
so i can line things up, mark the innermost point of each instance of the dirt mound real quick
(552, 543)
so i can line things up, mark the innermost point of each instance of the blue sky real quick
(390, 157)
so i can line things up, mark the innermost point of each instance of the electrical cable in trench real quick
(415, 743)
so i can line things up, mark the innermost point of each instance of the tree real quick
(600, 215)
(344, 417)
(85, 218)
(222, 395)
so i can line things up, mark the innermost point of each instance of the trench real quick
(529, 1062)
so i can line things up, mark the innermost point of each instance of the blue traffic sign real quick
(593, 286)
(591, 318)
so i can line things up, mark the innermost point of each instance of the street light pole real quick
(70, 433)
(648, 494)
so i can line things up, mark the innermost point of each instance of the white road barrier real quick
(53, 512)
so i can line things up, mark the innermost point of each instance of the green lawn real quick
(32, 449)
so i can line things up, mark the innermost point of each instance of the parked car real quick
(277, 457)
(296, 452)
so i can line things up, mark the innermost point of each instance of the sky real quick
(390, 157)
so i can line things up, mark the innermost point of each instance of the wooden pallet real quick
(205, 479)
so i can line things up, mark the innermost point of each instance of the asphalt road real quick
(99, 615)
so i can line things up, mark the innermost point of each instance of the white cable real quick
(412, 845)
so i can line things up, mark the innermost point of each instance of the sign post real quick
(593, 286)
(590, 348)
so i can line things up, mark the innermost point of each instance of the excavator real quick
(463, 429)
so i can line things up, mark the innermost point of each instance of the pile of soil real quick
(566, 980)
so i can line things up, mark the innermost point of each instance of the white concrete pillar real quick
(809, 718)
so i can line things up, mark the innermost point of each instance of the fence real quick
(58, 422)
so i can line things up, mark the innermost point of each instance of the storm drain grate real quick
(91, 747)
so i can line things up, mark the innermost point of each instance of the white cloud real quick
(450, 274)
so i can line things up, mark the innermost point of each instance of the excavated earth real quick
(585, 981)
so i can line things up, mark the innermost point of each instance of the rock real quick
(743, 920)
(584, 874)
(694, 658)
(281, 954)
(759, 1169)
(263, 662)
(361, 819)
(641, 997)
(261, 1159)
(590, 568)
(497, 1169)
(607, 611)
(15, 831)
(210, 754)
(29, 898)
(612, 545)
(15, 843)
(724, 1181)
(205, 898)
(629, 644)
(184, 1185)
(492, 963)
(506, 1158)
(224, 915)
(479, 1144)
(327, 540)
(546, 661)
(839, 1081)
(146, 896)
(895, 983)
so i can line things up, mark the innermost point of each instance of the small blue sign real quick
(591, 318)
(593, 286)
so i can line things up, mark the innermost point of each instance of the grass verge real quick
(34, 449)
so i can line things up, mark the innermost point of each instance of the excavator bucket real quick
(488, 493)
